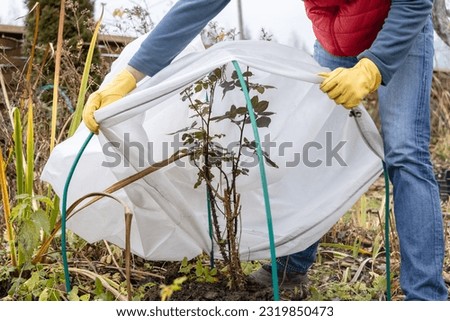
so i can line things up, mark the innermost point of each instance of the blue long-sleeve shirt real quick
(187, 18)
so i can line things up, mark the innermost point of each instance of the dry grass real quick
(352, 251)
(351, 262)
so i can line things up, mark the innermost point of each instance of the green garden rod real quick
(210, 223)
(276, 295)
(265, 194)
(64, 212)
(267, 201)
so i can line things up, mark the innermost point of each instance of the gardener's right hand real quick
(118, 87)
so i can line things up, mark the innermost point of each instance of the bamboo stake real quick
(7, 212)
(128, 218)
(57, 72)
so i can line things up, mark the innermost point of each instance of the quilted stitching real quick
(347, 27)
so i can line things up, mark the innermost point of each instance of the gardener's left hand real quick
(349, 86)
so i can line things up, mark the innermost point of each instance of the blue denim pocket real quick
(424, 40)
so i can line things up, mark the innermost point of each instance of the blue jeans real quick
(404, 106)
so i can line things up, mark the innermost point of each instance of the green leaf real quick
(198, 88)
(254, 101)
(54, 213)
(232, 113)
(213, 272)
(269, 161)
(178, 281)
(227, 86)
(212, 78)
(32, 282)
(266, 113)
(199, 180)
(263, 122)
(28, 238)
(19, 211)
(261, 106)
(44, 199)
(247, 268)
(205, 111)
(218, 72)
(25, 197)
(45, 295)
(85, 297)
(73, 294)
(41, 219)
(99, 289)
(185, 267)
(198, 268)
(241, 110)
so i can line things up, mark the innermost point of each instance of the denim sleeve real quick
(174, 32)
(405, 20)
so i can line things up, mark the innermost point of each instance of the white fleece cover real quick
(170, 218)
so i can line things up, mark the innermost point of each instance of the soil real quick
(193, 290)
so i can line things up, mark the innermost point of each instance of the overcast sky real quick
(287, 22)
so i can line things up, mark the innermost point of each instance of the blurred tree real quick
(78, 28)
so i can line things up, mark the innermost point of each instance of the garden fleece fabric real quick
(327, 159)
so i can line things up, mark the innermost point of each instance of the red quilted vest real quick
(347, 27)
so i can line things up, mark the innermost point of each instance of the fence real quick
(12, 56)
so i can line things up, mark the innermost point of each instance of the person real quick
(368, 45)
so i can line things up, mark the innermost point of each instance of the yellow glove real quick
(349, 86)
(118, 87)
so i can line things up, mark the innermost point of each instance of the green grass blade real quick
(54, 213)
(18, 150)
(30, 150)
(76, 120)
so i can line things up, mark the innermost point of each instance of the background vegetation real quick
(350, 265)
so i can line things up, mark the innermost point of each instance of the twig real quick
(115, 187)
(104, 281)
(113, 258)
(143, 273)
(360, 268)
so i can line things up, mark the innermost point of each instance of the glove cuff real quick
(373, 71)
(122, 83)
